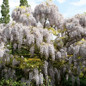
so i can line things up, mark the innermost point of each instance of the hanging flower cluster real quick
(24, 15)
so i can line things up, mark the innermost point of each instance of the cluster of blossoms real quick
(47, 50)
(24, 15)
(34, 75)
(76, 27)
(29, 36)
(47, 13)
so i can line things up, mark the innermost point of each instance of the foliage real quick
(1, 20)
(27, 14)
(11, 82)
(53, 31)
(22, 52)
(69, 82)
(61, 30)
(22, 7)
(5, 12)
(59, 64)
(27, 62)
(83, 81)
(24, 3)
(82, 41)
(31, 63)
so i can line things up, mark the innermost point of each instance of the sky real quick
(68, 8)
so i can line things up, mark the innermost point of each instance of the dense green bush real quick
(11, 82)
(69, 82)
(24, 3)
(5, 12)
